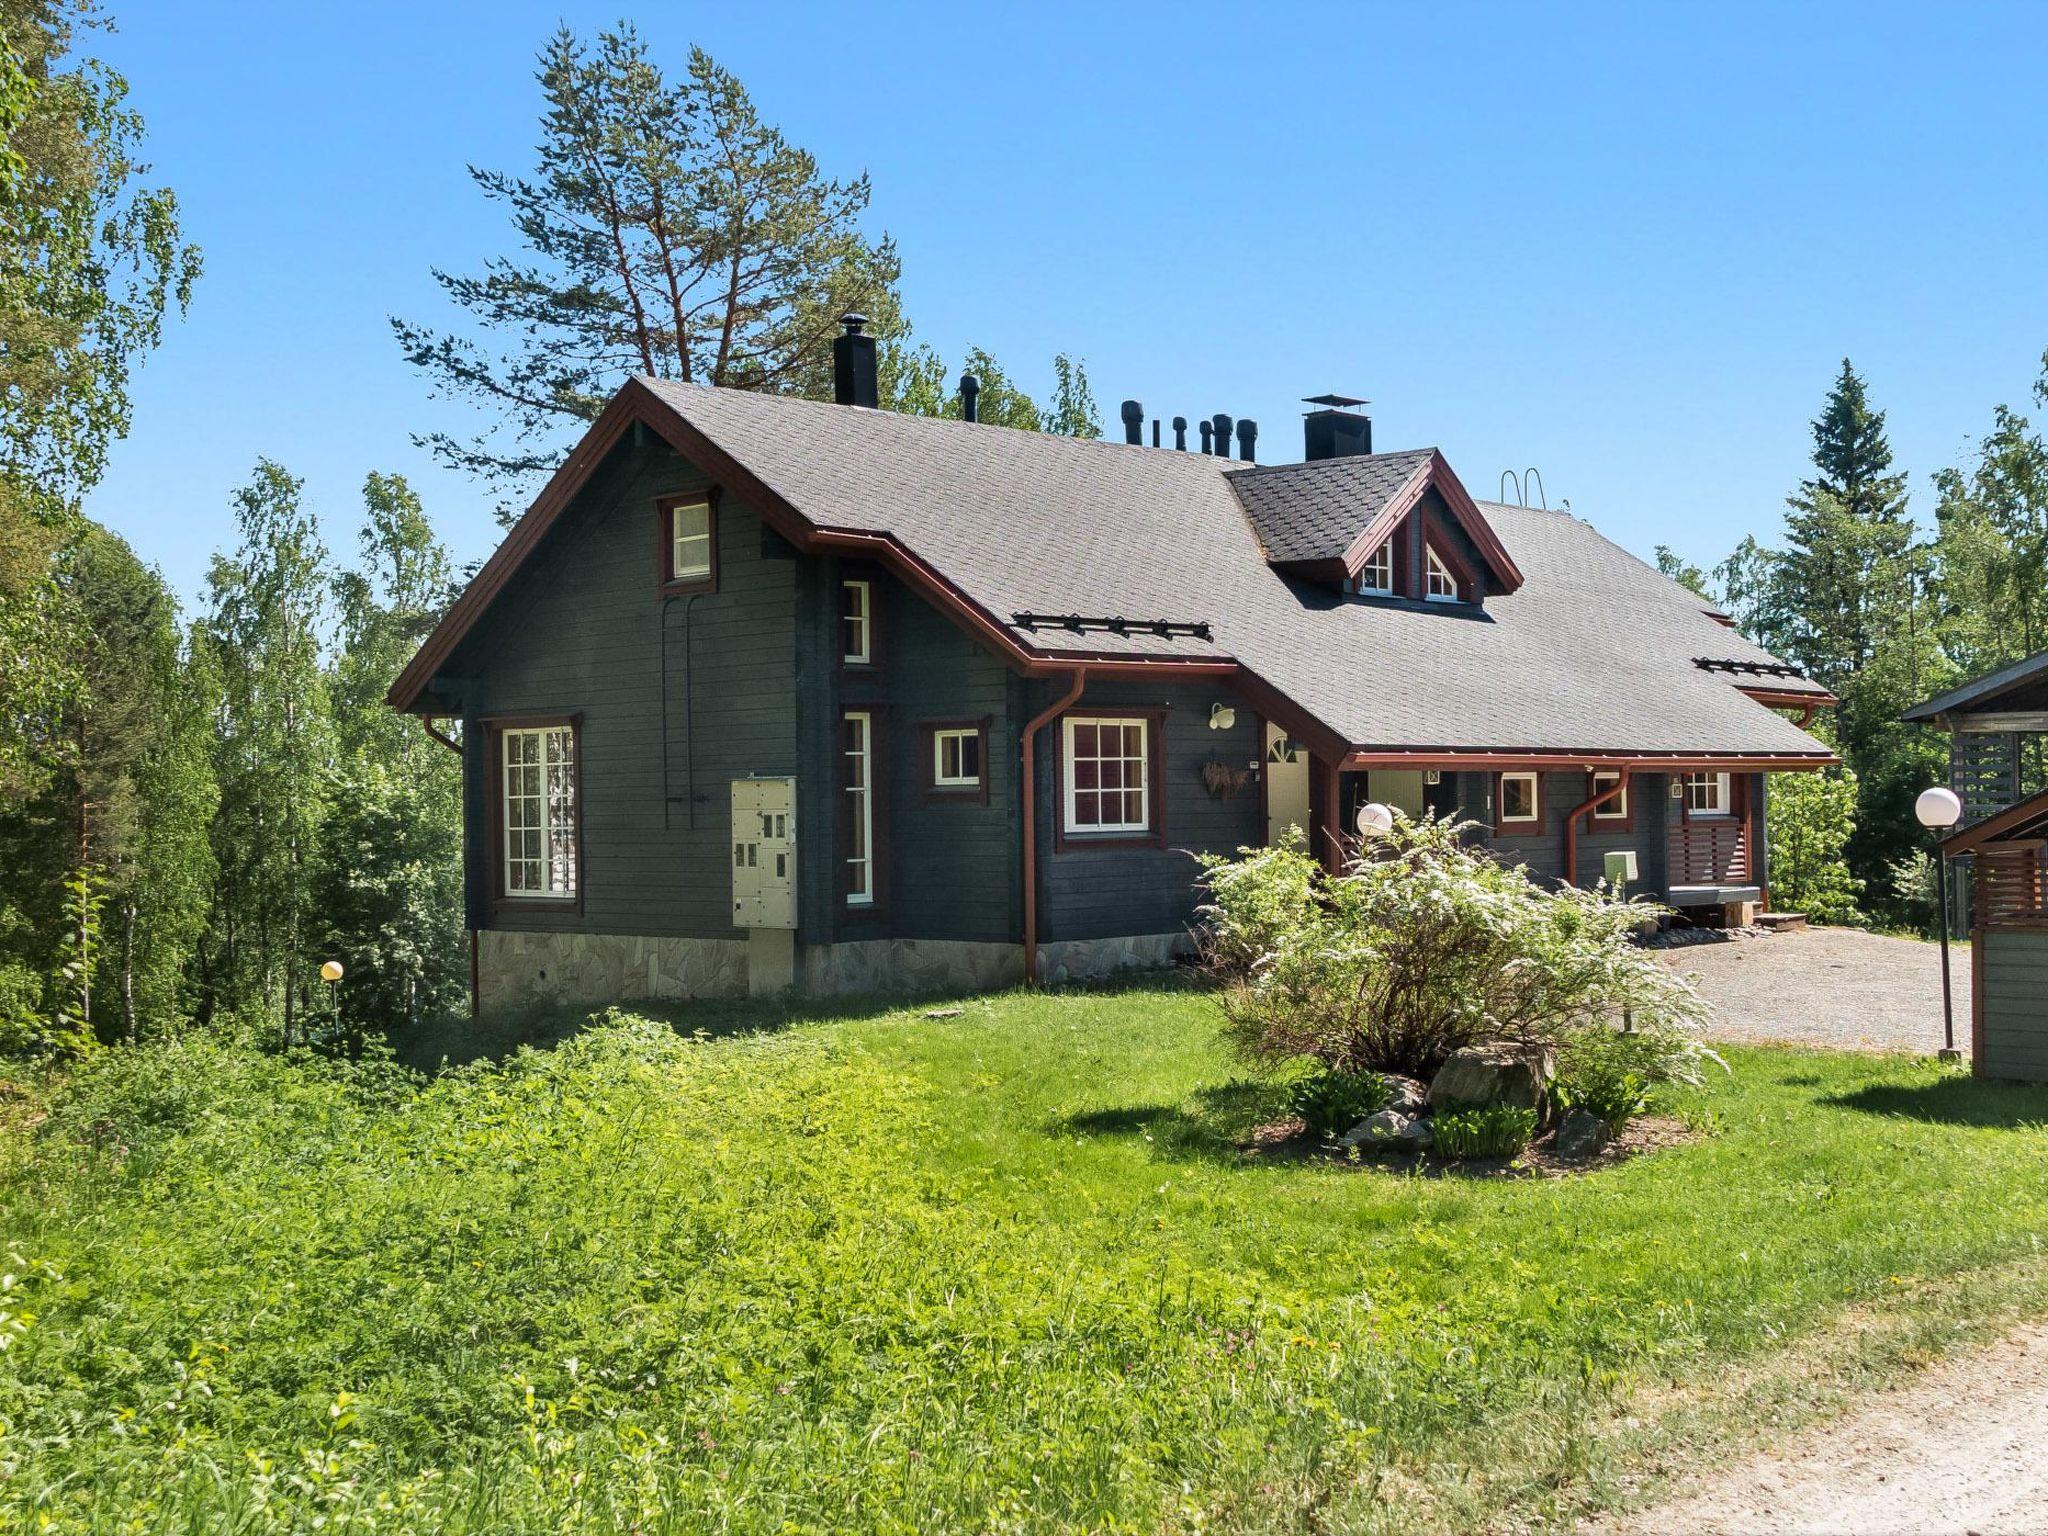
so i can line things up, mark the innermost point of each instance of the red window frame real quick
(666, 580)
(494, 728)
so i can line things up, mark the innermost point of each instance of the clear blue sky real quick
(1628, 245)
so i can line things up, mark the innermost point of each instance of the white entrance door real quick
(1286, 784)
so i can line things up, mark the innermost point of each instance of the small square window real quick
(956, 759)
(1109, 776)
(1707, 794)
(1615, 809)
(1519, 799)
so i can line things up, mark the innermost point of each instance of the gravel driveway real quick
(1829, 986)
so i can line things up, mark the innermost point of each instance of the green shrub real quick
(1332, 1102)
(1483, 1130)
(1612, 1072)
(1422, 945)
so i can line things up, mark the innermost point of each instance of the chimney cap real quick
(854, 322)
(1333, 402)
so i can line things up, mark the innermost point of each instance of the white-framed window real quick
(538, 809)
(1376, 577)
(1615, 809)
(1708, 794)
(956, 758)
(857, 748)
(857, 622)
(1109, 774)
(689, 540)
(1520, 799)
(1441, 586)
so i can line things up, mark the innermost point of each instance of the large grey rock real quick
(1411, 1095)
(1496, 1072)
(1581, 1134)
(1381, 1129)
(1389, 1129)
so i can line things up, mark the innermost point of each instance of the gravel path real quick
(1956, 1449)
(1830, 986)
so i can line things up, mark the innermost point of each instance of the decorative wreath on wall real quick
(1223, 781)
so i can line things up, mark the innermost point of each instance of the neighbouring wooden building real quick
(764, 691)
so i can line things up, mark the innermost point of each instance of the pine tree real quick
(666, 230)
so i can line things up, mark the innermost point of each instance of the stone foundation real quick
(597, 969)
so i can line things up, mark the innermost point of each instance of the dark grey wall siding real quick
(953, 863)
(1090, 893)
(1542, 848)
(582, 631)
(2015, 1002)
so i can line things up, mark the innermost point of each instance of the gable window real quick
(1521, 802)
(537, 811)
(1615, 811)
(857, 622)
(1707, 794)
(689, 543)
(1376, 577)
(1108, 761)
(857, 775)
(1440, 585)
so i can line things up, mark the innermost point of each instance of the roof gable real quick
(2021, 685)
(1324, 519)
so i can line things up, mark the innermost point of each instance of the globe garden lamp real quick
(1374, 819)
(330, 972)
(1938, 810)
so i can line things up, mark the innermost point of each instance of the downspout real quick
(1571, 822)
(1030, 799)
(427, 724)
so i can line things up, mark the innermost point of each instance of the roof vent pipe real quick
(1208, 432)
(1222, 435)
(1180, 433)
(1134, 422)
(853, 364)
(1155, 431)
(970, 397)
(1248, 440)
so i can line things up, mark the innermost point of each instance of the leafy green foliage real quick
(1811, 817)
(644, 1282)
(1482, 1130)
(1422, 945)
(1612, 1072)
(664, 230)
(1330, 1103)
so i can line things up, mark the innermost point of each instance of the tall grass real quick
(996, 1272)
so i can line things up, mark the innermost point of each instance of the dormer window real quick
(1442, 585)
(1376, 577)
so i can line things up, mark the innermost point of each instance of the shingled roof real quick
(1593, 655)
(1306, 513)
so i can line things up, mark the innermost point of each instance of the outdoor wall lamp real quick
(1221, 717)
(1938, 809)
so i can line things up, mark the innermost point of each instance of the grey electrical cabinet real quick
(764, 853)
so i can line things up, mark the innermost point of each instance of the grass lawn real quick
(993, 1272)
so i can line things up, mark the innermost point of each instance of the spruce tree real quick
(1844, 573)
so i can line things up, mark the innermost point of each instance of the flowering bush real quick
(1422, 945)
(1611, 1072)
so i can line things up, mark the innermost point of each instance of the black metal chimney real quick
(1134, 422)
(853, 364)
(1155, 431)
(1248, 440)
(1208, 432)
(970, 397)
(1334, 430)
(1222, 435)
(1180, 433)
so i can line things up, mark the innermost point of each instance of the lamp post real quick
(1938, 809)
(330, 972)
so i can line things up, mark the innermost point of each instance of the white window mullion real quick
(539, 810)
(858, 748)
